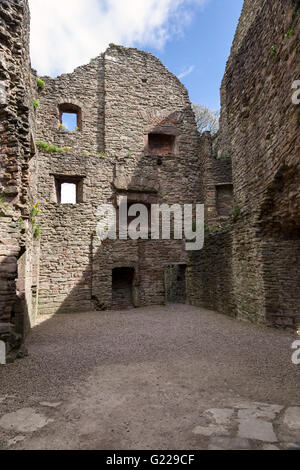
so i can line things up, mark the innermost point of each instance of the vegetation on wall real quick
(235, 212)
(289, 33)
(34, 212)
(63, 128)
(274, 51)
(52, 148)
(4, 207)
(36, 104)
(40, 83)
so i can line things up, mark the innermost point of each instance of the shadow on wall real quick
(279, 229)
(13, 299)
(15, 320)
(210, 274)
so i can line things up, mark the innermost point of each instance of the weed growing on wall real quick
(235, 212)
(36, 104)
(40, 83)
(52, 148)
(34, 212)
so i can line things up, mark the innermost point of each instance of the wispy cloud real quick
(186, 72)
(67, 33)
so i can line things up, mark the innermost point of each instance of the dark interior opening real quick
(161, 144)
(175, 283)
(224, 199)
(122, 288)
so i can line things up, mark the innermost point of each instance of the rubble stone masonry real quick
(18, 251)
(136, 137)
(262, 126)
(123, 98)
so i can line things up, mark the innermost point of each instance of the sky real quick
(191, 37)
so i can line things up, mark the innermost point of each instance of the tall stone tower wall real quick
(18, 253)
(260, 124)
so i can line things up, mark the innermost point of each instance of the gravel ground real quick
(141, 378)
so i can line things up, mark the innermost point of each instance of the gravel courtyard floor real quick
(174, 377)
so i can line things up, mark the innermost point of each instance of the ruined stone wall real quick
(143, 97)
(122, 96)
(263, 131)
(137, 138)
(84, 89)
(218, 189)
(17, 173)
(210, 276)
(248, 16)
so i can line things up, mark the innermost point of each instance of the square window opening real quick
(69, 190)
(161, 144)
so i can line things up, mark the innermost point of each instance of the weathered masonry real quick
(136, 137)
(133, 134)
(19, 250)
(251, 269)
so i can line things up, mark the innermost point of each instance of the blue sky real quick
(204, 49)
(191, 37)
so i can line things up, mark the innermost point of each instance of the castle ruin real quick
(136, 136)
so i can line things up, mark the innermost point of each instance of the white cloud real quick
(186, 72)
(67, 33)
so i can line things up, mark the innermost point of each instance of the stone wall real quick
(264, 129)
(261, 124)
(137, 138)
(122, 96)
(18, 169)
(210, 274)
(218, 188)
(248, 16)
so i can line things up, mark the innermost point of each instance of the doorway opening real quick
(122, 288)
(175, 283)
